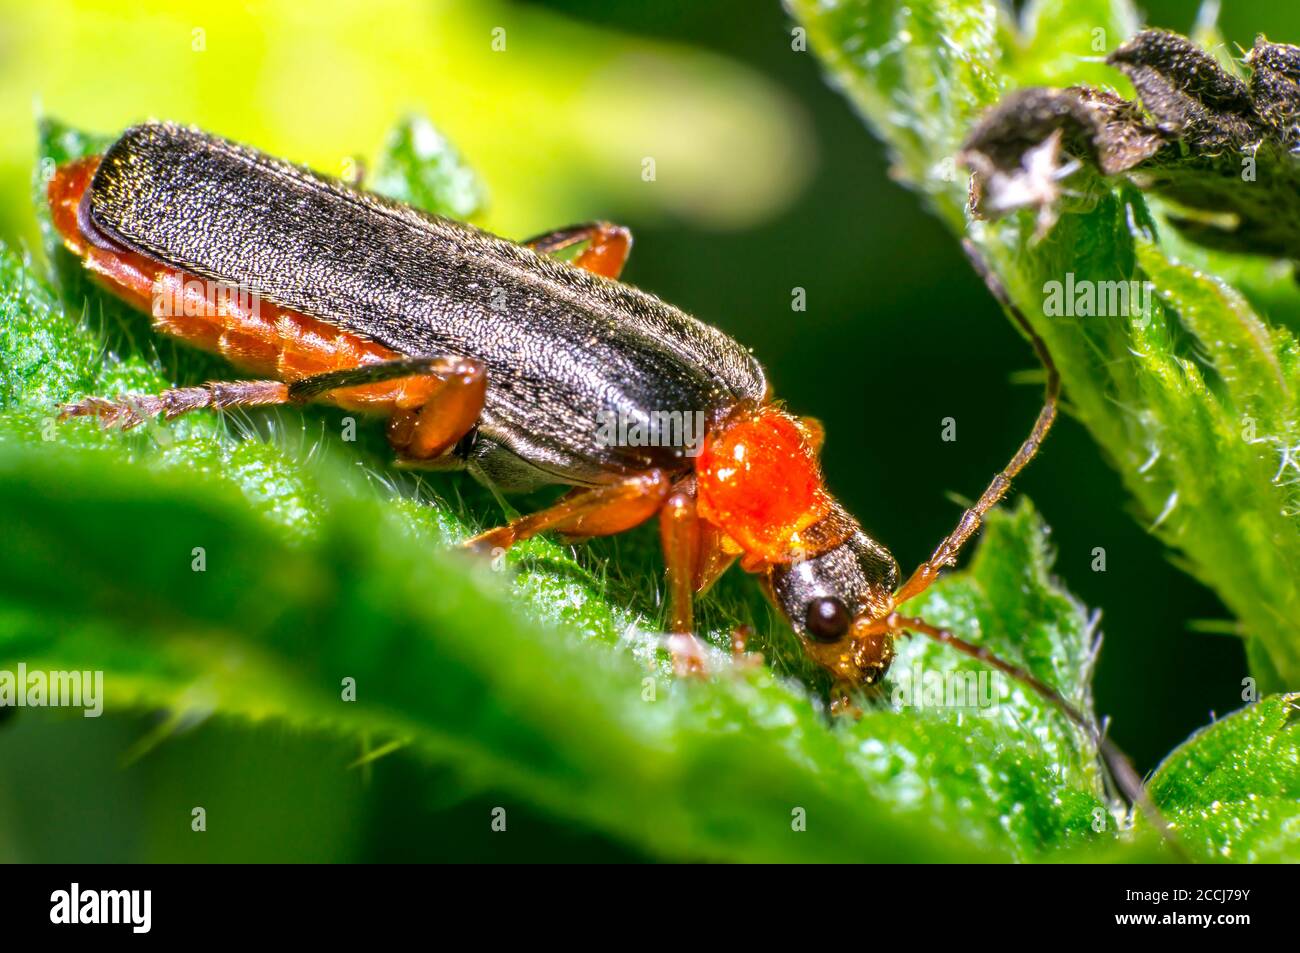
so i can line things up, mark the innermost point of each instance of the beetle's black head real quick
(829, 597)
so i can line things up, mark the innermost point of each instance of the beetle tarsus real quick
(131, 410)
(688, 655)
(596, 511)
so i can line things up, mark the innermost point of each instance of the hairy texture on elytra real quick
(426, 285)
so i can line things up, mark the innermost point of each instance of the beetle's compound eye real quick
(827, 619)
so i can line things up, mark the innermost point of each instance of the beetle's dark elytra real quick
(563, 348)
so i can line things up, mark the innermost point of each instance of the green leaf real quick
(421, 168)
(99, 574)
(1194, 398)
(1232, 791)
(44, 358)
(321, 562)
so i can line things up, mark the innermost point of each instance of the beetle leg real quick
(946, 553)
(679, 534)
(462, 377)
(417, 433)
(692, 547)
(607, 248)
(427, 432)
(714, 559)
(694, 558)
(596, 511)
(380, 372)
(131, 410)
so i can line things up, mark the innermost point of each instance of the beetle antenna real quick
(1126, 778)
(971, 520)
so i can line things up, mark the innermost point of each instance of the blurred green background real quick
(765, 181)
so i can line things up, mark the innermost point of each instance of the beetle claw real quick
(688, 656)
(741, 657)
(122, 414)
